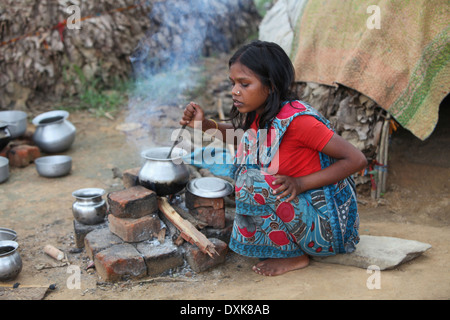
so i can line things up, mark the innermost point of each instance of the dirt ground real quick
(416, 207)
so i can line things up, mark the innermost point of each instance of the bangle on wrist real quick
(217, 126)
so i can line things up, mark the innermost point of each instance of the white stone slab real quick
(384, 252)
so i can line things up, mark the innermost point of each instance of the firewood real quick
(188, 231)
(189, 217)
(173, 231)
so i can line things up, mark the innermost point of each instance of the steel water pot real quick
(54, 133)
(164, 175)
(89, 207)
(10, 260)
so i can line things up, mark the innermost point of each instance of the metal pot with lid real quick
(209, 187)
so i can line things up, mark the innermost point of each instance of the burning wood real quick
(188, 231)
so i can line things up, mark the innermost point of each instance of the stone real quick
(383, 252)
(160, 257)
(81, 230)
(134, 202)
(120, 262)
(98, 240)
(200, 261)
(135, 230)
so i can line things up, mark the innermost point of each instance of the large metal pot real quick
(5, 135)
(4, 169)
(54, 133)
(164, 175)
(10, 261)
(16, 121)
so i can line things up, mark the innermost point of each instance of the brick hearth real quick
(134, 242)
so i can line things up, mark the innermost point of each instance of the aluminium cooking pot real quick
(16, 121)
(54, 133)
(164, 175)
(5, 135)
(10, 260)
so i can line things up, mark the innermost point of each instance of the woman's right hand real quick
(193, 114)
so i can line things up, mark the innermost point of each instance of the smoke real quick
(167, 62)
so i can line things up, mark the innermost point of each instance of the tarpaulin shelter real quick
(396, 52)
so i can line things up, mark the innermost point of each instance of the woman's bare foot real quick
(276, 267)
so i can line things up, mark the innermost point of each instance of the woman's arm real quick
(194, 117)
(348, 161)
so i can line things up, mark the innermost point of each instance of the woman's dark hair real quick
(274, 69)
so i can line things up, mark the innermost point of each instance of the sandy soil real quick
(415, 207)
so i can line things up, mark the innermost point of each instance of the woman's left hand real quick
(288, 186)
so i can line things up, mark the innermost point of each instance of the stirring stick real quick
(176, 140)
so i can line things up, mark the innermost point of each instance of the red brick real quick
(135, 230)
(212, 217)
(200, 261)
(98, 240)
(130, 177)
(219, 233)
(160, 257)
(134, 202)
(81, 230)
(5, 150)
(192, 201)
(120, 262)
(22, 155)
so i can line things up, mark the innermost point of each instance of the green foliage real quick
(93, 95)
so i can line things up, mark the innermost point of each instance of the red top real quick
(298, 154)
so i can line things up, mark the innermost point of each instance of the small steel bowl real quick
(53, 166)
(7, 234)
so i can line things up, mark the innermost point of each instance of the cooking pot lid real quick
(209, 187)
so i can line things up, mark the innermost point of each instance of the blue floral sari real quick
(318, 222)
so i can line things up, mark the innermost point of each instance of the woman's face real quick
(248, 92)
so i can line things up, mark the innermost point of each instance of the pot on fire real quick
(161, 174)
